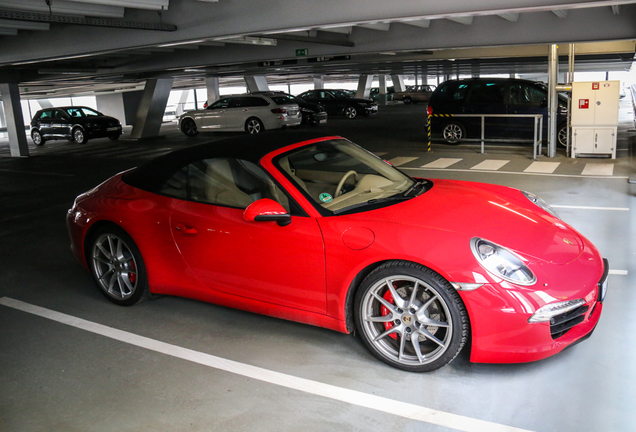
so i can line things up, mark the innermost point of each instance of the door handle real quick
(186, 230)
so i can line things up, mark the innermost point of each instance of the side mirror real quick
(266, 210)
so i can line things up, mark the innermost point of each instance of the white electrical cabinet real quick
(595, 118)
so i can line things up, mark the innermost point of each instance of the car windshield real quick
(340, 176)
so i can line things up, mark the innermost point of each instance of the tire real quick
(454, 132)
(79, 136)
(436, 314)
(189, 127)
(351, 112)
(254, 126)
(114, 137)
(562, 134)
(117, 266)
(37, 138)
(407, 100)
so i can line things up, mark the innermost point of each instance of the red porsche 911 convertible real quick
(322, 232)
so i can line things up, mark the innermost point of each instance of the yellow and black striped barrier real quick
(428, 127)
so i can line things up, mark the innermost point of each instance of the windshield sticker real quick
(325, 197)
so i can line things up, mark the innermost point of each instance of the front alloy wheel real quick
(410, 318)
(117, 267)
(189, 127)
(562, 135)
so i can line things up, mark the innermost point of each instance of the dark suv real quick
(74, 124)
(492, 96)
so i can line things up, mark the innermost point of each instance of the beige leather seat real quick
(220, 187)
(284, 164)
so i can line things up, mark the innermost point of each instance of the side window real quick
(74, 112)
(309, 96)
(221, 103)
(223, 181)
(46, 115)
(256, 102)
(59, 115)
(460, 93)
(525, 94)
(487, 93)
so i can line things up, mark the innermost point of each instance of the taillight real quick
(429, 110)
(279, 111)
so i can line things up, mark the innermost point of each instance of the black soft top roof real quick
(152, 175)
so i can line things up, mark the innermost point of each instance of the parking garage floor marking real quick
(618, 272)
(397, 161)
(490, 165)
(442, 163)
(542, 167)
(353, 397)
(589, 208)
(598, 169)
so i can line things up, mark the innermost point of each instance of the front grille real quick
(561, 324)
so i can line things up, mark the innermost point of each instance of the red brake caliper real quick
(385, 311)
(132, 276)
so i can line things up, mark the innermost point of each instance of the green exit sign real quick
(302, 52)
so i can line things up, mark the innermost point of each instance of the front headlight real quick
(539, 202)
(547, 312)
(501, 262)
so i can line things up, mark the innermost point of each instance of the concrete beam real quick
(319, 82)
(212, 86)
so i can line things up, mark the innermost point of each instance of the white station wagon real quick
(250, 113)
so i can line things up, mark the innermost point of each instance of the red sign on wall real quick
(594, 86)
(584, 103)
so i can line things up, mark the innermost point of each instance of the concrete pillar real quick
(3, 122)
(364, 86)
(212, 86)
(256, 83)
(111, 104)
(151, 108)
(382, 93)
(182, 101)
(553, 73)
(45, 103)
(319, 82)
(15, 121)
(398, 83)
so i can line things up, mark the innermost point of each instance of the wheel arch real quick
(355, 284)
(90, 233)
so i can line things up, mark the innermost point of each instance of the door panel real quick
(257, 260)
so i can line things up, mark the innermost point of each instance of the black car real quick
(313, 114)
(492, 96)
(338, 102)
(77, 124)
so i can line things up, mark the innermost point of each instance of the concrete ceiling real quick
(55, 47)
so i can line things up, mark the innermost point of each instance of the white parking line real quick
(490, 165)
(442, 163)
(542, 167)
(353, 397)
(589, 208)
(598, 169)
(401, 160)
(618, 272)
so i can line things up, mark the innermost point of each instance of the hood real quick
(499, 214)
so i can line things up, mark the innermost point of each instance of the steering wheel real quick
(342, 182)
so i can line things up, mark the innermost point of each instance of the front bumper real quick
(501, 332)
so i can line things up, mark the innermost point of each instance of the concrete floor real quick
(74, 376)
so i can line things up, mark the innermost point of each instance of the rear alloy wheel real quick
(410, 317)
(454, 132)
(114, 137)
(79, 136)
(351, 112)
(189, 127)
(36, 136)
(117, 266)
(407, 100)
(253, 126)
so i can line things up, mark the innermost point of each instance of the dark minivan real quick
(492, 96)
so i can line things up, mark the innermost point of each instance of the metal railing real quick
(537, 142)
